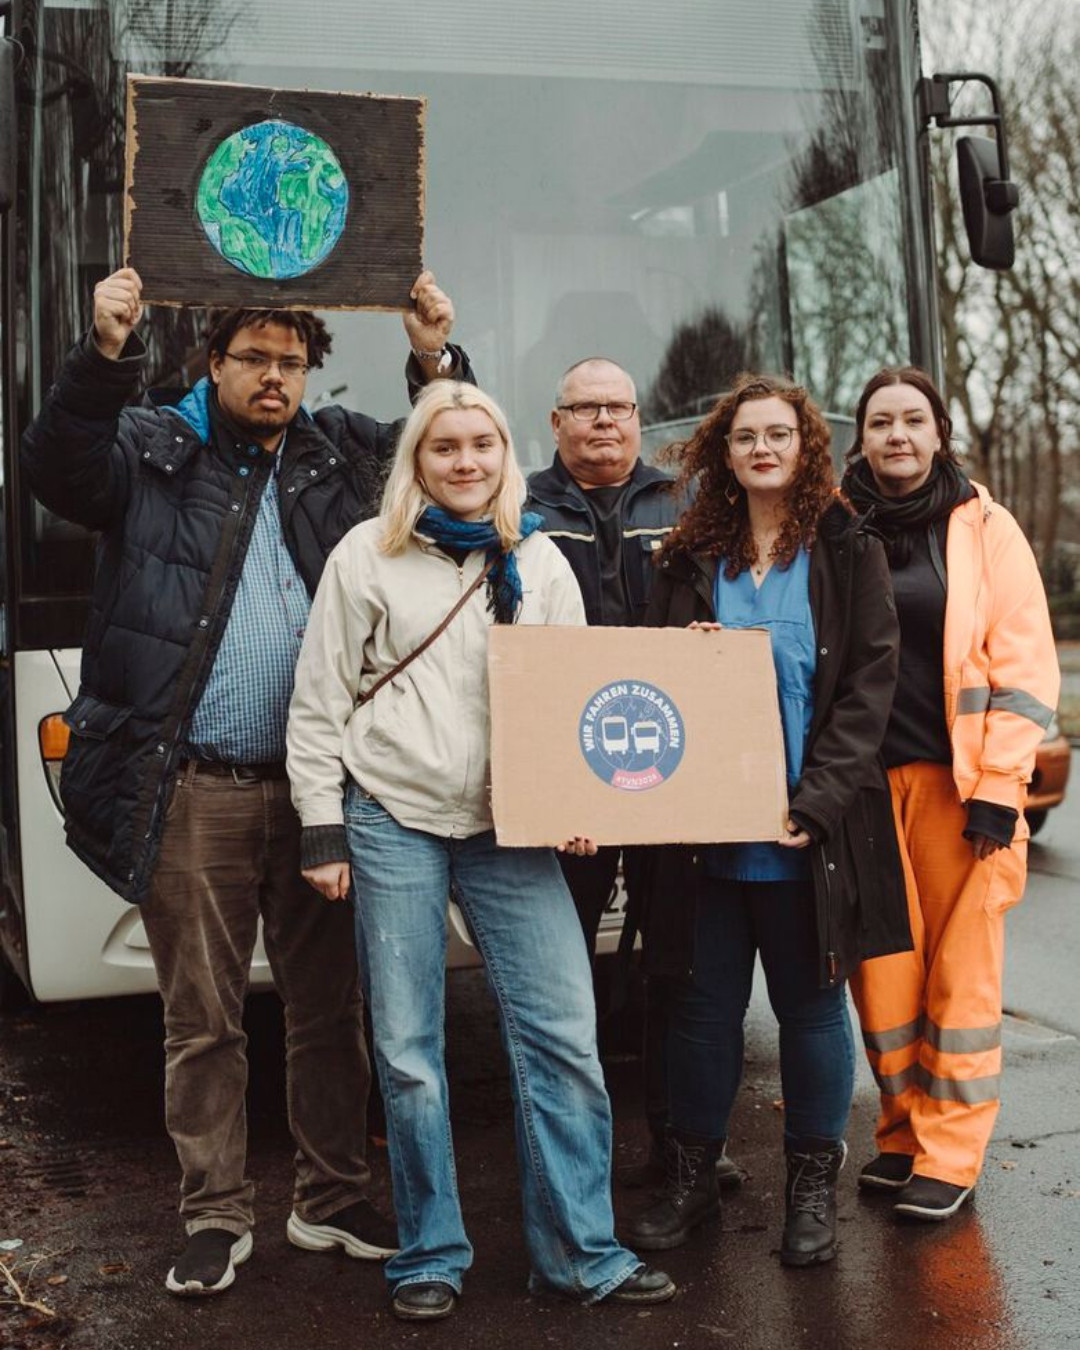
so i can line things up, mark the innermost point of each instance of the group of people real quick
(284, 709)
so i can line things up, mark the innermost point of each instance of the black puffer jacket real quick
(175, 508)
(843, 795)
(648, 508)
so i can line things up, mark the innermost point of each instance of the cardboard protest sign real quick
(282, 198)
(634, 736)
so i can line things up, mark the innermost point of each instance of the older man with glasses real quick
(216, 516)
(609, 512)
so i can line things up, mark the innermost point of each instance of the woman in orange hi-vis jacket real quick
(978, 685)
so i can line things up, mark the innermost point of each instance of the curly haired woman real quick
(767, 544)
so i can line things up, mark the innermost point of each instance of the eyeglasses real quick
(589, 412)
(291, 367)
(775, 438)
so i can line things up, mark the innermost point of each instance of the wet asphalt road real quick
(88, 1178)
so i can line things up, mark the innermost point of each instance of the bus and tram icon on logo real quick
(617, 735)
(631, 735)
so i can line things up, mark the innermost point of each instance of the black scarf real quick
(899, 519)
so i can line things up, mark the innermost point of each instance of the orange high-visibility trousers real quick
(931, 1018)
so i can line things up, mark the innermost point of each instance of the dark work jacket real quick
(174, 509)
(842, 798)
(648, 511)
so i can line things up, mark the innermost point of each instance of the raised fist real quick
(117, 309)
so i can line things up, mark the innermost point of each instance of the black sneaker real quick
(931, 1200)
(425, 1301)
(887, 1172)
(208, 1265)
(644, 1286)
(359, 1230)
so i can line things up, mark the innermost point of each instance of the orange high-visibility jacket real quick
(1001, 671)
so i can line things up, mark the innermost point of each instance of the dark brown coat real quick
(842, 798)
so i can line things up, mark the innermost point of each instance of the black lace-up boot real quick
(690, 1194)
(813, 1166)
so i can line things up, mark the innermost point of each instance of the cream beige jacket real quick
(421, 745)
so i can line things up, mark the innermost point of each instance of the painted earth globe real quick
(273, 200)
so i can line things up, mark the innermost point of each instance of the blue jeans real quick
(736, 919)
(525, 928)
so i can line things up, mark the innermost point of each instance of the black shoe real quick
(651, 1173)
(209, 1262)
(690, 1195)
(810, 1200)
(359, 1230)
(929, 1199)
(426, 1301)
(644, 1286)
(887, 1172)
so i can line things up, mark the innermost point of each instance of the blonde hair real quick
(404, 498)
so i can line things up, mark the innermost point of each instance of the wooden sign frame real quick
(175, 127)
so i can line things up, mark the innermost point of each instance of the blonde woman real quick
(388, 756)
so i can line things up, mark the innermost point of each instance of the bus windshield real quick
(688, 188)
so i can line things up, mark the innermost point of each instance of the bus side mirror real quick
(987, 201)
(7, 124)
(987, 193)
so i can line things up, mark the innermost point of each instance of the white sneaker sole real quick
(238, 1254)
(933, 1215)
(320, 1237)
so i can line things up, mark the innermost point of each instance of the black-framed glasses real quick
(775, 438)
(291, 367)
(589, 412)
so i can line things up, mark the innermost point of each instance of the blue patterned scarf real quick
(504, 580)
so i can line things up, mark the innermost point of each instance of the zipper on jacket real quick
(199, 658)
(462, 666)
(832, 963)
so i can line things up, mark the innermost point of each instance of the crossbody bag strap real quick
(418, 651)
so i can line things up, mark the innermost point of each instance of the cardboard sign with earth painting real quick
(282, 198)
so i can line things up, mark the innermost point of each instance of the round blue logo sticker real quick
(631, 735)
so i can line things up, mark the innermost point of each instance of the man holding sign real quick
(216, 516)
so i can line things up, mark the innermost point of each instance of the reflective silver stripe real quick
(893, 1039)
(892, 1084)
(648, 529)
(571, 534)
(1023, 704)
(962, 1040)
(973, 700)
(979, 700)
(971, 1091)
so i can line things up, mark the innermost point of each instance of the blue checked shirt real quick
(241, 716)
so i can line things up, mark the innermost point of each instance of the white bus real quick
(690, 188)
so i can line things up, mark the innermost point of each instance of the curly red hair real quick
(721, 529)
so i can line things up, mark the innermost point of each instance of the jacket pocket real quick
(93, 719)
(96, 768)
